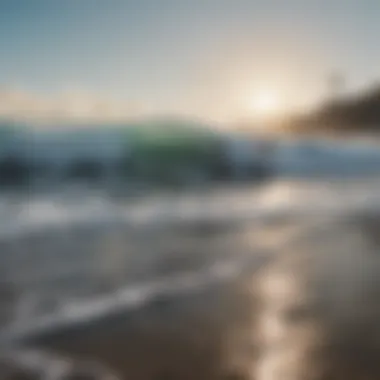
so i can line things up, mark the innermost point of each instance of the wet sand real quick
(184, 334)
(187, 338)
(310, 311)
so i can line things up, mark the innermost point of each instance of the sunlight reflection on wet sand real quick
(297, 299)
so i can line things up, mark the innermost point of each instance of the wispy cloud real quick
(69, 105)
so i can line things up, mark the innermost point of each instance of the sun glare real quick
(265, 103)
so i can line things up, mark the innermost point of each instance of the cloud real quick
(69, 105)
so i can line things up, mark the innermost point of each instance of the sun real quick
(265, 103)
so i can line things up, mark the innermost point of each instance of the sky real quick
(206, 58)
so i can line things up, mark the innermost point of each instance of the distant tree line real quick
(358, 113)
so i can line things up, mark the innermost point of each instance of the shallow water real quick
(172, 280)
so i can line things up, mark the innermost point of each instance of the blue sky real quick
(188, 56)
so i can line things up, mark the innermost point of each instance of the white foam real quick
(277, 198)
